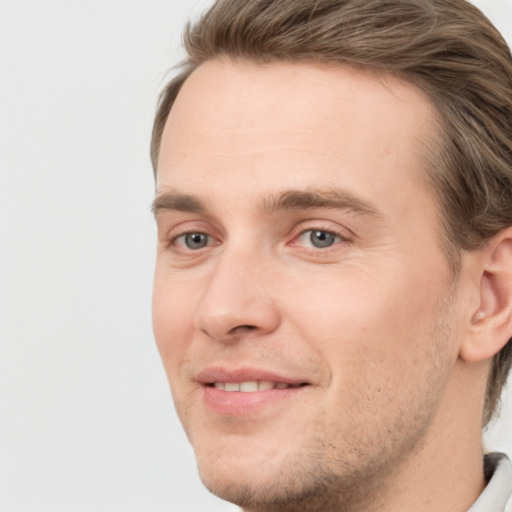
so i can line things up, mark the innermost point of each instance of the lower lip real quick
(239, 403)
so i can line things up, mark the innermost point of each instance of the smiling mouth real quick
(254, 385)
(247, 392)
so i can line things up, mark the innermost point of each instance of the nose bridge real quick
(237, 299)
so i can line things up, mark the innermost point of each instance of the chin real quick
(307, 475)
(258, 489)
(290, 488)
(258, 480)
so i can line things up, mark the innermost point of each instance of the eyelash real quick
(332, 238)
(338, 237)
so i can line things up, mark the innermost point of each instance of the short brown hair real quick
(447, 48)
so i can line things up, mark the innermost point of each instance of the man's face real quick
(303, 305)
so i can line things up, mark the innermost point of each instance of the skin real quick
(373, 323)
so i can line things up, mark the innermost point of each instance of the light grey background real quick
(86, 421)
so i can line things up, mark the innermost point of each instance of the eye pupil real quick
(321, 238)
(196, 240)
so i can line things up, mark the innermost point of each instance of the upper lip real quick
(214, 374)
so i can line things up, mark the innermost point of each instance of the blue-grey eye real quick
(195, 240)
(321, 239)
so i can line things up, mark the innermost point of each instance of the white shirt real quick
(497, 496)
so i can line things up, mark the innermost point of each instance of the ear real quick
(491, 321)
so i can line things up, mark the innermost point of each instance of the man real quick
(333, 288)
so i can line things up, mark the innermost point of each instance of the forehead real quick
(291, 121)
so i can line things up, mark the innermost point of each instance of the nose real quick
(237, 300)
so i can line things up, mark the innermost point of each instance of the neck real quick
(445, 475)
(445, 470)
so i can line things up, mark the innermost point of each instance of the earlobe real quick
(491, 322)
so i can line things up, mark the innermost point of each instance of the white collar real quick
(497, 496)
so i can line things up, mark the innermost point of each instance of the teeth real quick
(248, 387)
(251, 386)
(263, 385)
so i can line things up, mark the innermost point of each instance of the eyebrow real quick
(177, 202)
(320, 198)
(287, 200)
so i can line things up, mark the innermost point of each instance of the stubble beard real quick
(320, 476)
(310, 481)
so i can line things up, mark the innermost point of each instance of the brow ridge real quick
(334, 198)
(177, 202)
(315, 198)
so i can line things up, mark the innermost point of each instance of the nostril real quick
(242, 328)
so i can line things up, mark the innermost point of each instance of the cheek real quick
(384, 352)
(172, 326)
(357, 321)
